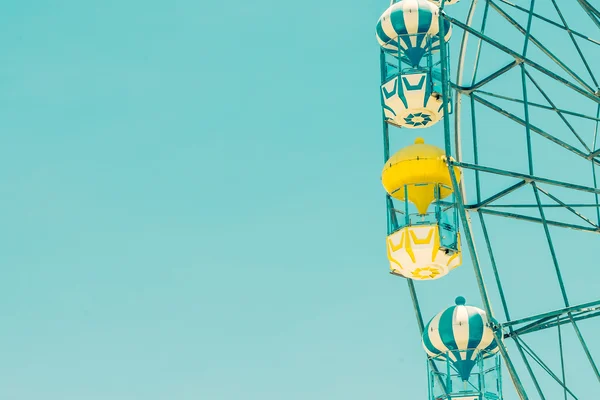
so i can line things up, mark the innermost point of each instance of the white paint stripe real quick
(448, 33)
(460, 329)
(488, 334)
(430, 354)
(413, 41)
(386, 25)
(411, 15)
(434, 336)
(434, 28)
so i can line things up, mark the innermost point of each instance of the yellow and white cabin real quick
(416, 252)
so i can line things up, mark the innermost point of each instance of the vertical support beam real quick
(429, 384)
(483, 25)
(475, 150)
(459, 81)
(499, 369)
(562, 358)
(594, 165)
(445, 88)
(406, 214)
(392, 218)
(416, 306)
(524, 88)
(494, 267)
(550, 245)
(389, 205)
(527, 126)
(386, 137)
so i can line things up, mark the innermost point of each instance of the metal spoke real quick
(538, 220)
(498, 195)
(561, 283)
(532, 127)
(504, 303)
(562, 117)
(520, 58)
(580, 308)
(540, 46)
(483, 26)
(542, 364)
(562, 357)
(459, 78)
(551, 22)
(475, 206)
(585, 347)
(591, 11)
(537, 105)
(596, 129)
(567, 207)
(525, 177)
(487, 79)
(587, 66)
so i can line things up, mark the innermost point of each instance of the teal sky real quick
(191, 207)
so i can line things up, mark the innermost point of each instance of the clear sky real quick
(190, 206)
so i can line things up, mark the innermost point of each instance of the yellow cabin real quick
(418, 169)
(427, 246)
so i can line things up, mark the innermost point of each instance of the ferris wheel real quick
(491, 114)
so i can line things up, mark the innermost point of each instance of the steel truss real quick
(488, 206)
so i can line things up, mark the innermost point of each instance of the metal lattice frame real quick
(541, 186)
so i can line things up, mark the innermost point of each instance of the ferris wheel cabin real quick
(411, 75)
(423, 242)
(459, 342)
